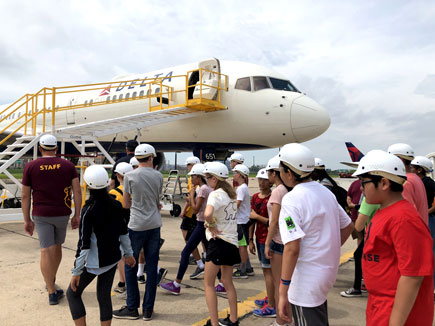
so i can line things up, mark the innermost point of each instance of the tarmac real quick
(24, 300)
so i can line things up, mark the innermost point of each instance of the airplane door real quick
(208, 77)
(70, 113)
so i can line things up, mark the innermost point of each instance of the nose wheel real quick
(176, 210)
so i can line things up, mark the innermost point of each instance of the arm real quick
(239, 202)
(258, 217)
(346, 232)
(361, 222)
(431, 210)
(349, 203)
(126, 200)
(251, 243)
(196, 204)
(77, 193)
(29, 226)
(273, 228)
(210, 221)
(406, 293)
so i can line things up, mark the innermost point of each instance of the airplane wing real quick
(353, 165)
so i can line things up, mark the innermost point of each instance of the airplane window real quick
(148, 92)
(282, 85)
(244, 84)
(120, 96)
(108, 99)
(19, 114)
(142, 93)
(114, 98)
(134, 94)
(13, 115)
(127, 95)
(91, 101)
(260, 83)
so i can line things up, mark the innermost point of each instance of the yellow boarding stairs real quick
(33, 115)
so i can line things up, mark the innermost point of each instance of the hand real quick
(130, 261)
(283, 309)
(252, 247)
(29, 227)
(75, 280)
(214, 232)
(75, 222)
(253, 215)
(267, 251)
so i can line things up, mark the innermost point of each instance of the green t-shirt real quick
(368, 209)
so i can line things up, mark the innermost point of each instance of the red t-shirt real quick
(397, 243)
(50, 179)
(355, 194)
(415, 192)
(259, 205)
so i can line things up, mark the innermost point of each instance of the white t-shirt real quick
(244, 210)
(225, 213)
(311, 213)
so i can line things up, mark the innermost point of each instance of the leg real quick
(151, 251)
(358, 269)
(276, 264)
(133, 295)
(227, 278)
(270, 289)
(76, 306)
(104, 285)
(210, 273)
(121, 270)
(50, 260)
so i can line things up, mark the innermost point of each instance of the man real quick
(413, 189)
(398, 260)
(129, 149)
(48, 181)
(142, 188)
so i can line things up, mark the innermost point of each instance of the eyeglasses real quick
(363, 183)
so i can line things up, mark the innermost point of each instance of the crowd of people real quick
(296, 224)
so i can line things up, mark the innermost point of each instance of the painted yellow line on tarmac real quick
(246, 307)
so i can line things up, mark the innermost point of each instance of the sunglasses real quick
(363, 183)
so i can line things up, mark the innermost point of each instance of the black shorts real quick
(188, 224)
(221, 252)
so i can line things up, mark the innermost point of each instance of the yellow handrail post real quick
(53, 115)
(33, 115)
(27, 114)
(187, 88)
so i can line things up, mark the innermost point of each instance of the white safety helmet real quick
(144, 150)
(423, 162)
(273, 164)
(318, 164)
(134, 162)
(262, 174)
(96, 177)
(401, 150)
(48, 142)
(192, 160)
(197, 169)
(237, 157)
(123, 167)
(298, 158)
(218, 169)
(242, 169)
(377, 162)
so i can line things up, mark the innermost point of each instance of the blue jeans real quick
(149, 240)
(432, 233)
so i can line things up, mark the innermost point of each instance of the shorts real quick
(51, 230)
(310, 315)
(243, 231)
(188, 224)
(221, 252)
(276, 248)
(265, 263)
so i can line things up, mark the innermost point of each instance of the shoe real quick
(54, 298)
(227, 322)
(125, 313)
(122, 296)
(208, 323)
(147, 314)
(162, 274)
(349, 293)
(238, 274)
(197, 273)
(266, 311)
(250, 271)
(170, 287)
(351, 259)
(141, 279)
(363, 288)
(261, 303)
(220, 289)
(119, 289)
(274, 323)
(192, 260)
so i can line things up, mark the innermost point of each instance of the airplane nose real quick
(308, 119)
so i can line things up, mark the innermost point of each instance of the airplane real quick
(355, 155)
(263, 109)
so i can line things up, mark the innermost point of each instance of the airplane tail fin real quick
(354, 152)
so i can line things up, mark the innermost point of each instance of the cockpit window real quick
(260, 83)
(282, 85)
(244, 84)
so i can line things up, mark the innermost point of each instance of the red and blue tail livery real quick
(355, 153)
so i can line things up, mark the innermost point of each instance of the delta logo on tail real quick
(355, 155)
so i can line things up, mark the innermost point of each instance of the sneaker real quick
(162, 274)
(227, 322)
(119, 289)
(208, 323)
(363, 288)
(250, 271)
(170, 287)
(147, 314)
(266, 311)
(125, 313)
(238, 274)
(141, 279)
(197, 273)
(192, 260)
(349, 293)
(260, 303)
(54, 298)
(122, 296)
(220, 289)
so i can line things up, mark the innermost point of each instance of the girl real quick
(102, 231)
(222, 252)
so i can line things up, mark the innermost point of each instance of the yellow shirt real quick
(117, 194)
(189, 210)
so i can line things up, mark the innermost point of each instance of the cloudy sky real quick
(370, 63)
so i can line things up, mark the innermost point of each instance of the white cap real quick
(273, 164)
(318, 164)
(424, 162)
(377, 162)
(123, 167)
(401, 150)
(237, 157)
(144, 150)
(134, 162)
(96, 177)
(218, 169)
(242, 169)
(298, 158)
(192, 160)
(262, 174)
(48, 142)
(197, 169)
